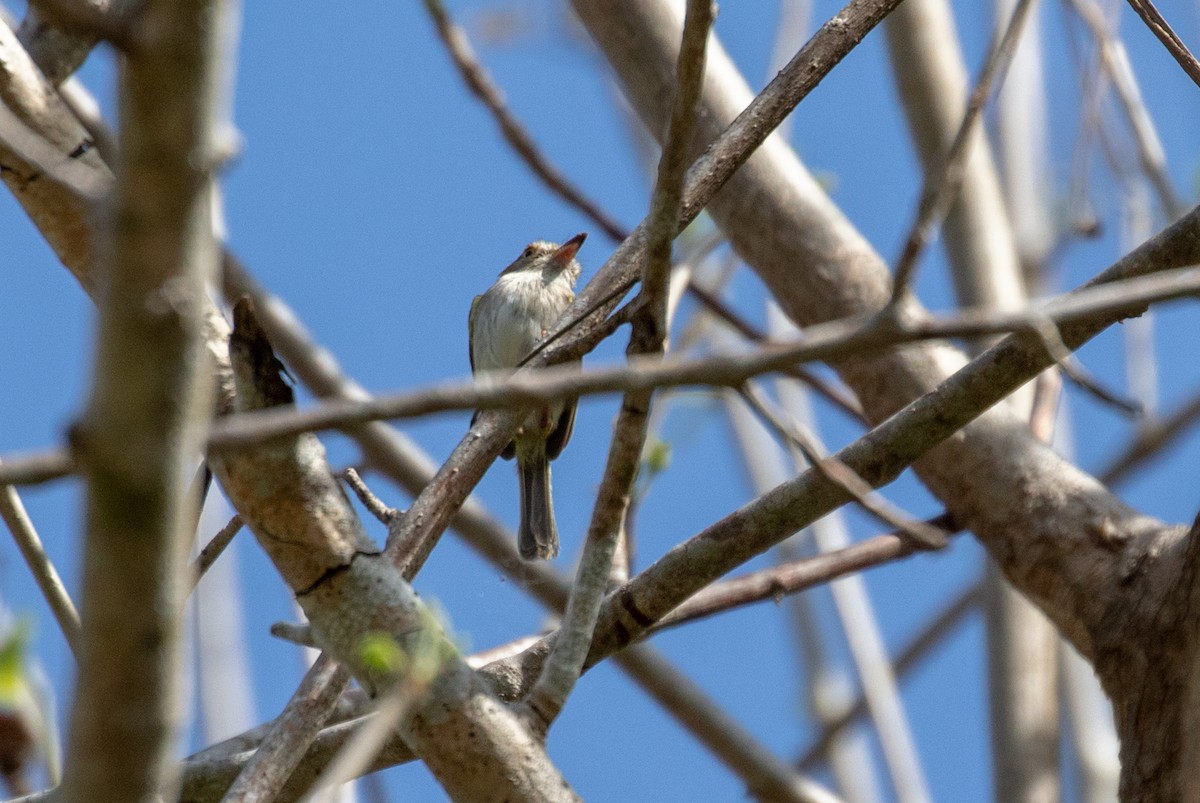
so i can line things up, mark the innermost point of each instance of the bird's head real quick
(549, 259)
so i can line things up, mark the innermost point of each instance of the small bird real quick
(506, 324)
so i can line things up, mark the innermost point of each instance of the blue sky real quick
(376, 197)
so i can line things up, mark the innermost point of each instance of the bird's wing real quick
(558, 438)
(471, 331)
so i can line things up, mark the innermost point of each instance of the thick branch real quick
(145, 420)
(288, 496)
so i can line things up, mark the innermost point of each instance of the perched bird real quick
(506, 324)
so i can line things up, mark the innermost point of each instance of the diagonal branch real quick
(49, 582)
(1159, 26)
(789, 578)
(928, 535)
(906, 657)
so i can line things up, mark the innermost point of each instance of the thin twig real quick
(1159, 27)
(1150, 440)
(298, 634)
(767, 777)
(37, 467)
(1073, 370)
(835, 393)
(789, 578)
(835, 471)
(601, 329)
(663, 219)
(374, 505)
(865, 641)
(483, 87)
(565, 663)
(941, 187)
(823, 342)
(213, 549)
(12, 510)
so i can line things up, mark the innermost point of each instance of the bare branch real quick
(834, 393)
(386, 515)
(36, 468)
(1159, 27)
(284, 744)
(355, 598)
(1151, 440)
(789, 578)
(40, 566)
(214, 548)
(662, 222)
(860, 491)
(1116, 63)
(1073, 370)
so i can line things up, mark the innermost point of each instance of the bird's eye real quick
(528, 252)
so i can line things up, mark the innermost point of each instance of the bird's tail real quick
(537, 536)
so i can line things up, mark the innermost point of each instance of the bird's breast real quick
(513, 316)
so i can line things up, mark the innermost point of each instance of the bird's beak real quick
(567, 251)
